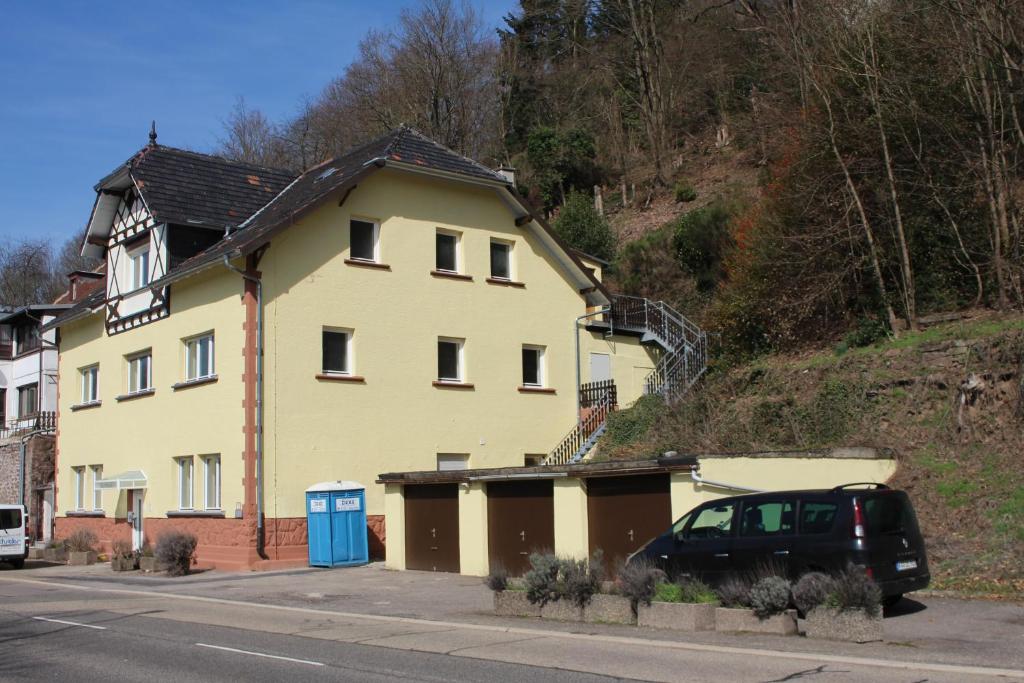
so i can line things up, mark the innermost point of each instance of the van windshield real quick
(889, 514)
(10, 519)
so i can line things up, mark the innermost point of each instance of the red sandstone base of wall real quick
(228, 544)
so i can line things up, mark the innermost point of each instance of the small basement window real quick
(448, 462)
(364, 239)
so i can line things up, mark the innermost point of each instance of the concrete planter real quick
(148, 564)
(679, 616)
(36, 554)
(55, 555)
(561, 610)
(728, 619)
(123, 564)
(79, 559)
(514, 604)
(850, 625)
(609, 609)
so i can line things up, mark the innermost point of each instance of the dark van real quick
(799, 532)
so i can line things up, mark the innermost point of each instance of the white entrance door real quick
(137, 520)
(600, 367)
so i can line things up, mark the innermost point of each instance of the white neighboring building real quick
(28, 368)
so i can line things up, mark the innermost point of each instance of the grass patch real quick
(1008, 517)
(958, 492)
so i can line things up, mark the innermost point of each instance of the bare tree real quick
(249, 136)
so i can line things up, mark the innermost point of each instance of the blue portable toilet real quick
(336, 522)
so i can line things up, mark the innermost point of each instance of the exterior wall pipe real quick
(576, 332)
(697, 479)
(260, 535)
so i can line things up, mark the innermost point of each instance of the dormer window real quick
(139, 264)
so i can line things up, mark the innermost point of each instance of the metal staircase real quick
(683, 360)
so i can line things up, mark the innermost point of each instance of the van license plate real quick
(904, 566)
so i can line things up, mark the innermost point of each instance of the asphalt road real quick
(55, 632)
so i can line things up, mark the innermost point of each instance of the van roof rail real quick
(859, 483)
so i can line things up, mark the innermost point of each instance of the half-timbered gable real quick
(162, 207)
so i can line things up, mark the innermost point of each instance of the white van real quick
(13, 541)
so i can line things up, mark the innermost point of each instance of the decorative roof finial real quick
(152, 135)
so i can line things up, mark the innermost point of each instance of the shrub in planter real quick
(497, 579)
(769, 596)
(734, 592)
(852, 610)
(80, 545)
(580, 582)
(688, 605)
(811, 590)
(854, 590)
(174, 550)
(122, 557)
(541, 580)
(81, 541)
(639, 580)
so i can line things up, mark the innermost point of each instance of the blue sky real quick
(81, 81)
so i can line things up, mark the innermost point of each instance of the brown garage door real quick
(520, 520)
(432, 527)
(626, 512)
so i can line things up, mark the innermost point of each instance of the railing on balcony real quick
(20, 426)
(6, 350)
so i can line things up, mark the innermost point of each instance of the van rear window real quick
(10, 519)
(889, 514)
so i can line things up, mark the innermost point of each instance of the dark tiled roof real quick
(80, 308)
(198, 189)
(402, 145)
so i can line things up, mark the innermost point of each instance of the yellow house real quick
(398, 308)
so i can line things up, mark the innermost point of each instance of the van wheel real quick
(18, 564)
(891, 600)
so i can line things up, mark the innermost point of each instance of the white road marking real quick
(260, 654)
(619, 640)
(70, 623)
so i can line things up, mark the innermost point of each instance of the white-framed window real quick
(211, 482)
(96, 473)
(501, 260)
(90, 383)
(185, 472)
(447, 258)
(364, 236)
(140, 372)
(138, 264)
(450, 360)
(336, 351)
(533, 366)
(28, 399)
(447, 462)
(199, 357)
(79, 479)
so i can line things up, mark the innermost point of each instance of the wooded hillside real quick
(785, 171)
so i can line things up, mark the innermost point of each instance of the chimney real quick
(81, 283)
(508, 173)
